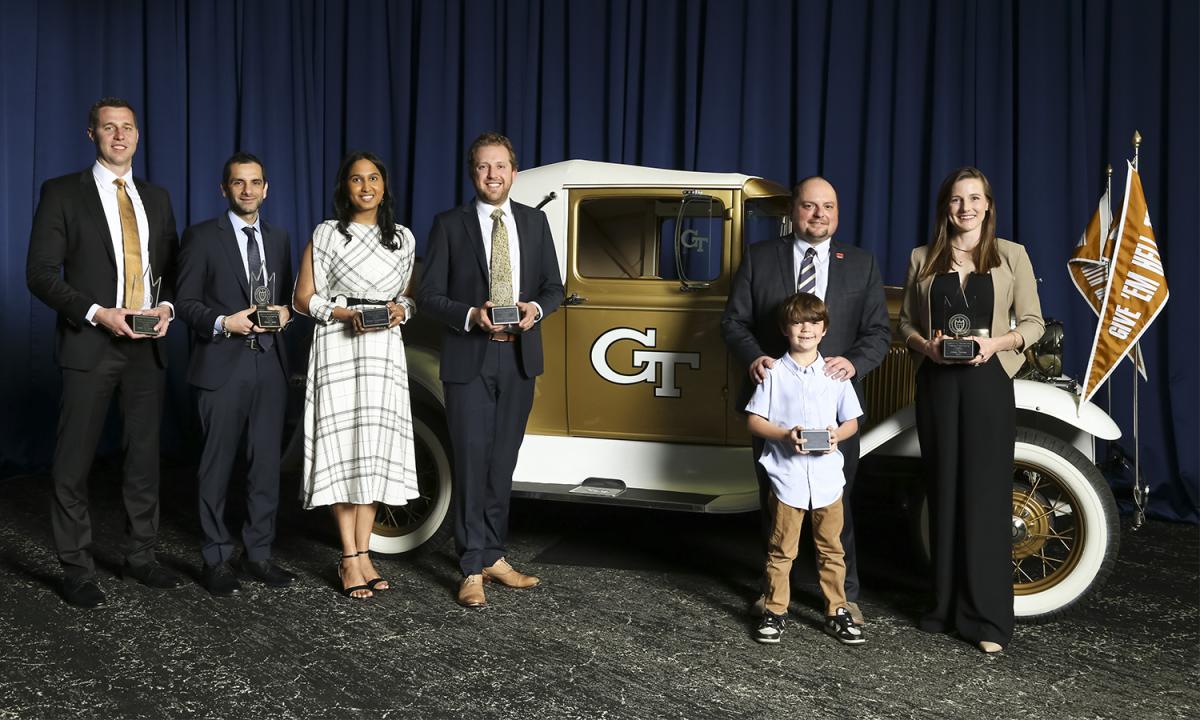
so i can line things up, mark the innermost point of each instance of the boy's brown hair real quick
(802, 307)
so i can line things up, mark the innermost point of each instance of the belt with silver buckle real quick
(252, 343)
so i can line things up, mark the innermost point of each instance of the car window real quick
(634, 238)
(766, 218)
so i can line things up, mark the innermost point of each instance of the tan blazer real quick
(1015, 292)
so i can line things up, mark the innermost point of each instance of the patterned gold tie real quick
(501, 291)
(132, 245)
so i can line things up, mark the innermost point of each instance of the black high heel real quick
(349, 591)
(373, 583)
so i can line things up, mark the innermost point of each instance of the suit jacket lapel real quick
(529, 254)
(787, 266)
(834, 285)
(95, 212)
(475, 237)
(274, 250)
(228, 242)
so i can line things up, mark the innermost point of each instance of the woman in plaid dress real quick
(358, 438)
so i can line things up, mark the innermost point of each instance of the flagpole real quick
(1104, 244)
(1140, 493)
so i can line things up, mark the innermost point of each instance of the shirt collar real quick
(484, 210)
(105, 177)
(822, 247)
(817, 366)
(238, 223)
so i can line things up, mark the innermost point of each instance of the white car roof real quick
(590, 173)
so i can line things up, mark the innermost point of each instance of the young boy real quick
(795, 396)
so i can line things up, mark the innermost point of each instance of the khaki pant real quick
(784, 544)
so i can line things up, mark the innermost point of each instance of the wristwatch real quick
(224, 327)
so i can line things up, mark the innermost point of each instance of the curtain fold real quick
(882, 97)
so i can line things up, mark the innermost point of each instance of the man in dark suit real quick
(100, 240)
(238, 368)
(478, 254)
(848, 280)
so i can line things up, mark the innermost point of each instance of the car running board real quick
(607, 491)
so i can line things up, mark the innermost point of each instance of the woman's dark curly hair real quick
(343, 209)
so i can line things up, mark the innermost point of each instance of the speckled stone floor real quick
(641, 615)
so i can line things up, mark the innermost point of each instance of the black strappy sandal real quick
(374, 582)
(349, 591)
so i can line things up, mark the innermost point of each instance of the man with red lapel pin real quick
(848, 280)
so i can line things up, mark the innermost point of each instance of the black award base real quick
(375, 317)
(266, 318)
(143, 324)
(505, 314)
(958, 349)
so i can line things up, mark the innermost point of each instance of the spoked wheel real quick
(1065, 530)
(423, 521)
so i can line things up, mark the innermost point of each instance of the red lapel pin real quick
(839, 255)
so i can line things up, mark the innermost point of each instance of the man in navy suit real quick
(489, 252)
(100, 240)
(238, 368)
(848, 280)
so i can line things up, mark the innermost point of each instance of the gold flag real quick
(1090, 261)
(1136, 291)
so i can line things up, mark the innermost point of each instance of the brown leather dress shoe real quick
(470, 592)
(507, 576)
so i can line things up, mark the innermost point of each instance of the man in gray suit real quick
(848, 280)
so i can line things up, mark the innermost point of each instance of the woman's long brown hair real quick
(986, 255)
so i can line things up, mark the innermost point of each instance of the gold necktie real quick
(132, 245)
(501, 291)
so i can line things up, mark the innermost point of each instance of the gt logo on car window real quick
(658, 366)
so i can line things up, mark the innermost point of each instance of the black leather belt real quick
(360, 301)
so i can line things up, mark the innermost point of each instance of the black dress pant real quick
(249, 406)
(966, 422)
(486, 419)
(129, 368)
(849, 449)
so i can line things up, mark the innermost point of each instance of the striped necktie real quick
(808, 272)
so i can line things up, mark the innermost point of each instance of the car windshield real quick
(767, 218)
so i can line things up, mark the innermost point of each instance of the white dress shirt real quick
(108, 200)
(821, 262)
(240, 237)
(484, 212)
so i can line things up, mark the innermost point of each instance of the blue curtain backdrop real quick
(883, 97)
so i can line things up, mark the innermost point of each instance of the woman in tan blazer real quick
(969, 281)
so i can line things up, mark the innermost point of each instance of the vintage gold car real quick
(637, 404)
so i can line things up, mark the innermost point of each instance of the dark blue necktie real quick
(256, 270)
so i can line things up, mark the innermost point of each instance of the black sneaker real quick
(770, 628)
(842, 627)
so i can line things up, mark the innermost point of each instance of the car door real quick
(647, 279)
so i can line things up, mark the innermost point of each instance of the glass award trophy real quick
(260, 291)
(961, 313)
(954, 345)
(144, 324)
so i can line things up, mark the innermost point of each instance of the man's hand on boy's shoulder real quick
(839, 368)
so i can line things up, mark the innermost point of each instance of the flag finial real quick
(1110, 170)
(1137, 139)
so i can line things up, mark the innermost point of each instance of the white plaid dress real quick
(358, 437)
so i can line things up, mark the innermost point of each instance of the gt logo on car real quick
(649, 360)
